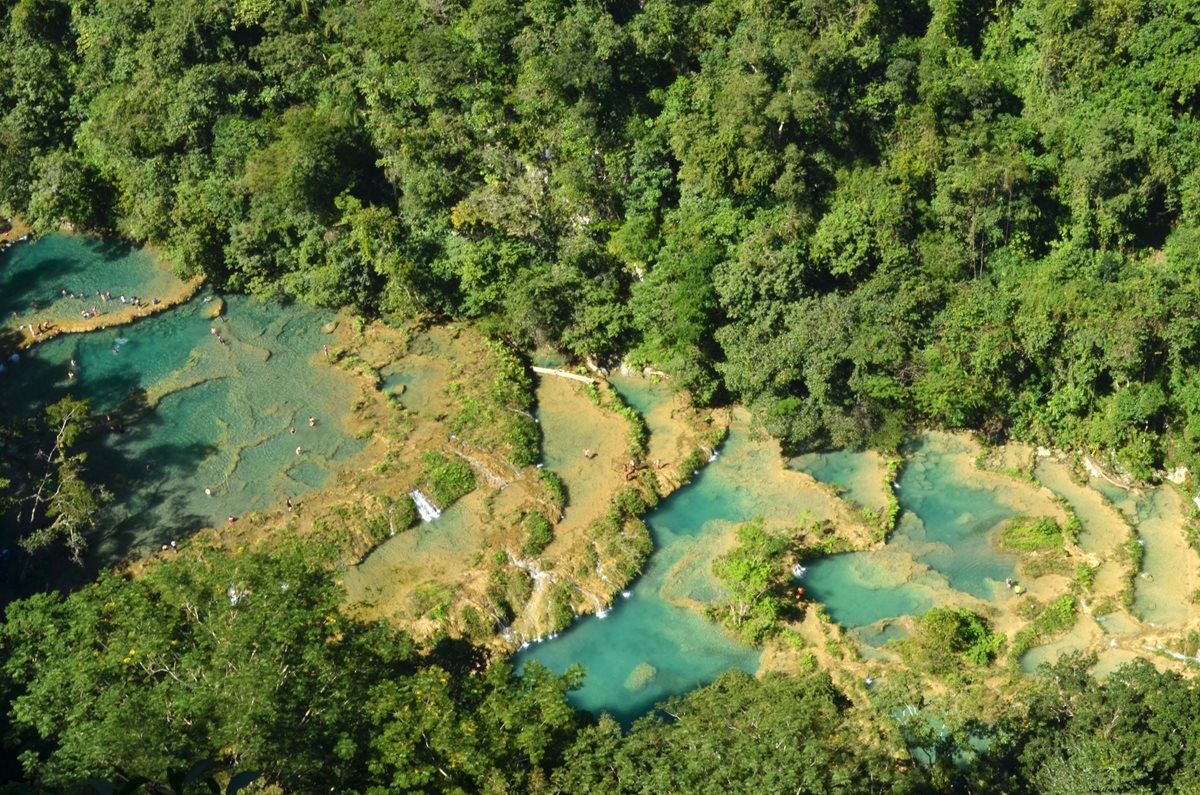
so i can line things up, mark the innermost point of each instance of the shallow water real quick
(422, 381)
(1104, 527)
(427, 551)
(570, 424)
(1109, 660)
(642, 394)
(859, 474)
(650, 646)
(189, 413)
(39, 273)
(942, 547)
(1084, 634)
(880, 634)
(1162, 594)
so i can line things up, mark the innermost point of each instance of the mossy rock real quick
(640, 677)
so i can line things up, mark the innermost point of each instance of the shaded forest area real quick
(853, 217)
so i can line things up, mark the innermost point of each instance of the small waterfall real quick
(425, 506)
(237, 594)
(529, 568)
(600, 571)
(597, 602)
(1175, 654)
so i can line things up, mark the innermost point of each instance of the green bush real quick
(555, 488)
(539, 534)
(1049, 620)
(1086, 575)
(476, 627)
(1072, 528)
(946, 637)
(446, 480)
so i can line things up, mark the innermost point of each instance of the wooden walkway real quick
(563, 374)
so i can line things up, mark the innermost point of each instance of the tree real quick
(949, 637)
(59, 504)
(753, 574)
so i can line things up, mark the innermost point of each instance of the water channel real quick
(205, 413)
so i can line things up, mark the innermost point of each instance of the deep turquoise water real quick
(649, 647)
(39, 273)
(941, 545)
(178, 412)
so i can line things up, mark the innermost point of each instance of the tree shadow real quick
(457, 656)
(149, 507)
(107, 248)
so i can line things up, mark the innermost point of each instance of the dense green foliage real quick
(949, 638)
(1045, 622)
(538, 535)
(851, 216)
(446, 479)
(44, 491)
(246, 659)
(754, 577)
(1136, 733)
(781, 734)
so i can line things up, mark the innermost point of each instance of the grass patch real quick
(1085, 575)
(556, 489)
(820, 539)
(1027, 534)
(947, 637)
(493, 405)
(1047, 621)
(1135, 552)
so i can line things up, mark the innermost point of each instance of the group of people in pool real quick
(312, 423)
(104, 296)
